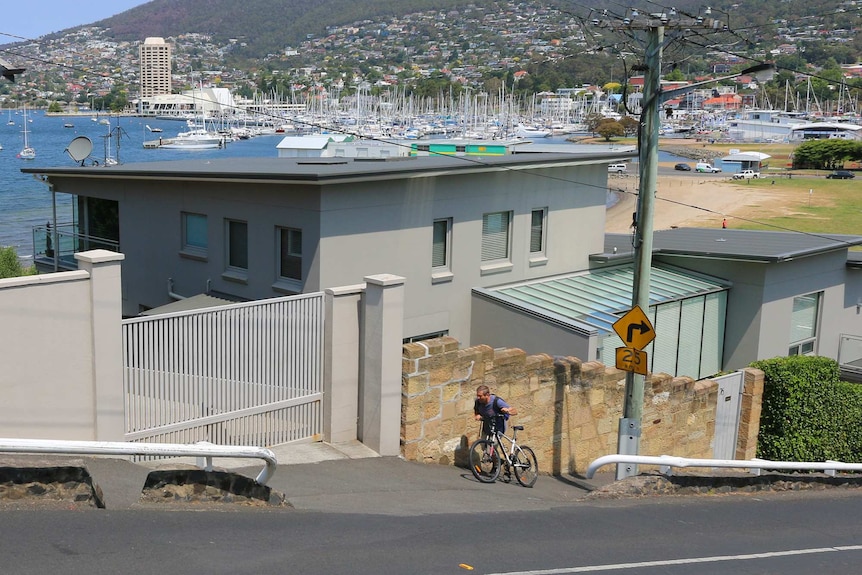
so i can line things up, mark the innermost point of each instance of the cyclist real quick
(489, 406)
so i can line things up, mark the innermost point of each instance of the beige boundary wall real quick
(570, 409)
(63, 358)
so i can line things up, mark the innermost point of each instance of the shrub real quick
(10, 265)
(808, 414)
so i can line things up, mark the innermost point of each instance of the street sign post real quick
(635, 329)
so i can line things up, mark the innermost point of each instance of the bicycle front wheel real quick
(526, 466)
(484, 460)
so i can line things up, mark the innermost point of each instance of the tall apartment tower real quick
(155, 67)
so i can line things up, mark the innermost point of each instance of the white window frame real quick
(538, 254)
(496, 245)
(189, 247)
(806, 345)
(442, 271)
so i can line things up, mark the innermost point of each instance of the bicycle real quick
(487, 454)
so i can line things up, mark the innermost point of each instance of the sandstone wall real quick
(570, 409)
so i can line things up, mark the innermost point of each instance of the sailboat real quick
(27, 152)
(11, 122)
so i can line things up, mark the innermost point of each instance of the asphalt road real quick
(775, 533)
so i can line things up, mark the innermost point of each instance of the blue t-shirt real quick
(487, 411)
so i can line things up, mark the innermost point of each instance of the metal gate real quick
(727, 415)
(241, 374)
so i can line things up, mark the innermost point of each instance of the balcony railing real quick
(59, 246)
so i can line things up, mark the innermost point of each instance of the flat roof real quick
(598, 298)
(749, 245)
(327, 169)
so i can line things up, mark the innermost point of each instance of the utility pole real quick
(650, 123)
(630, 424)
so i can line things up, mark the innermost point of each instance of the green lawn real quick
(818, 206)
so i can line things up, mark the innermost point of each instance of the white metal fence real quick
(242, 374)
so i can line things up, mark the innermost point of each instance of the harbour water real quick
(26, 202)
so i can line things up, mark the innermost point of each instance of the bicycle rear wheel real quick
(526, 466)
(484, 460)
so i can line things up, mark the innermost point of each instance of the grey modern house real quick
(502, 250)
(719, 299)
(248, 229)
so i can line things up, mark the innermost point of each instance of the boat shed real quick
(746, 160)
(826, 131)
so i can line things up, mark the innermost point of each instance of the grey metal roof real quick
(597, 298)
(750, 245)
(200, 301)
(326, 169)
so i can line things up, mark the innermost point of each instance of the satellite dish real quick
(79, 149)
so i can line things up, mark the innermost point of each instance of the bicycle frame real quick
(498, 436)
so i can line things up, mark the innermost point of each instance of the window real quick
(495, 236)
(441, 241)
(425, 336)
(537, 231)
(290, 250)
(803, 326)
(237, 245)
(194, 233)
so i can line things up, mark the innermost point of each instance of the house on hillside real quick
(255, 228)
(505, 250)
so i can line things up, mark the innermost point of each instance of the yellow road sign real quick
(631, 359)
(635, 329)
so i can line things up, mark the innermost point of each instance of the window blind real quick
(495, 236)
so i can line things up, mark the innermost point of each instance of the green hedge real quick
(808, 413)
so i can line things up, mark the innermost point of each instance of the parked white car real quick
(616, 168)
(746, 175)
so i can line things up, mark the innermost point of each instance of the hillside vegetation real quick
(266, 26)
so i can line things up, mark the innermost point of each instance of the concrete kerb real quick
(350, 478)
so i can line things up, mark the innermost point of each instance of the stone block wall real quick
(570, 408)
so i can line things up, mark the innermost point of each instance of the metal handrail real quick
(202, 449)
(668, 461)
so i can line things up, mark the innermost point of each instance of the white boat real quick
(154, 130)
(11, 122)
(522, 131)
(195, 139)
(27, 152)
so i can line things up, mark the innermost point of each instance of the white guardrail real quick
(665, 462)
(202, 449)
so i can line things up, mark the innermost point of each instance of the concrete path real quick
(345, 478)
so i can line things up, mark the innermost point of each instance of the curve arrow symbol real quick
(642, 327)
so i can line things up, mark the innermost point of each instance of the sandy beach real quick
(699, 200)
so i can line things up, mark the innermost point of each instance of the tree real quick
(630, 125)
(675, 75)
(592, 121)
(610, 128)
(10, 265)
(826, 154)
